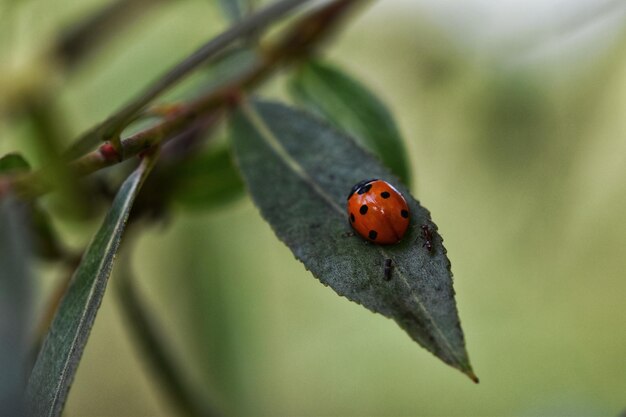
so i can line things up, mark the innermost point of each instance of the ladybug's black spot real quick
(364, 189)
(352, 217)
(404, 214)
(363, 209)
(385, 194)
(359, 185)
(372, 234)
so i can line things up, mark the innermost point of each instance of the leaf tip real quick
(470, 373)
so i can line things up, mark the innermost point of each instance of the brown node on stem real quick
(109, 153)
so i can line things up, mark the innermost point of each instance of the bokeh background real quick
(514, 116)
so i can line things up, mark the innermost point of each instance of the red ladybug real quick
(378, 212)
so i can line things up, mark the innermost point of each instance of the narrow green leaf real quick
(300, 171)
(206, 181)
(12, 163)
(58, 359)
(15, 304)
(349, 105)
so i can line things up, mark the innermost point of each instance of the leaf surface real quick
(58, 359)
(13, 162)
(299, 171)
(15, 304)
(349, 105)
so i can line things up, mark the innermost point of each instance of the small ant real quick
(427, 234)
(388, 269)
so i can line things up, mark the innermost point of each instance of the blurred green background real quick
(514, 116)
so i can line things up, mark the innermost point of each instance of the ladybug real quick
(378, 212)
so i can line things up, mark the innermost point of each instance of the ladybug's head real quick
(358, 186)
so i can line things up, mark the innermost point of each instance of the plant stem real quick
(300, 39)
(112, 127)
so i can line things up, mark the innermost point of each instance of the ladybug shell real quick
(378, 212)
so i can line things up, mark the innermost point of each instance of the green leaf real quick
(12, 163)
(300, 171)
(15, 303)
(58, 359)
(206, 181)
(350, 106)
